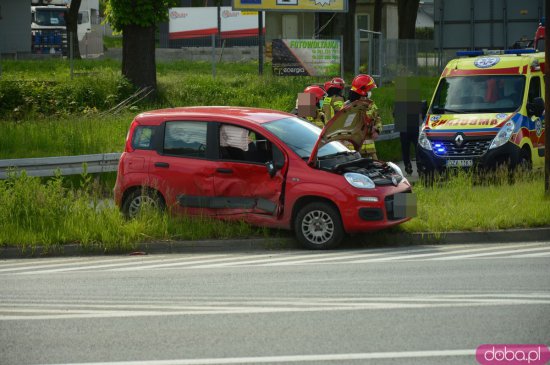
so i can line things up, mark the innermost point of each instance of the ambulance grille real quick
(468, 148)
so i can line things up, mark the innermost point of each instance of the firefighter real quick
(334, 101)
(319, 93)
(361, 87)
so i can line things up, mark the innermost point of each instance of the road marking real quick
(135, 262)
(188, 264)
(46, 265)
(490, 253)
(451, 253)
(292, 358)
(528, 255)
(83, 313)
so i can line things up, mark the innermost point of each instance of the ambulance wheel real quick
(524, 162)
(318, 226)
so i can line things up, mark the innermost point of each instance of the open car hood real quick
(343, 127)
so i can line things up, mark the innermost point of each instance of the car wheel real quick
(318, 226)
(139, 200)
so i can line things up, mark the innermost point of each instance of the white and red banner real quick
(202, 22)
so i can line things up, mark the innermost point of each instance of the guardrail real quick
(66, 165)
(98, 163)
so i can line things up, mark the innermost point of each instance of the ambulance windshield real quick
(479, 94)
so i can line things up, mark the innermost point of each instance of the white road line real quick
(451, 253)
(136, 262)
(9, 263)
(490, 253)
(189, 264)
(77, 314)
(46, 266)
(530, 255)
(292, 358)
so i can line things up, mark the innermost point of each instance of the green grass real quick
(112, 42)
(58, 116)
(51, 214)
(464, 203)
(54, 211)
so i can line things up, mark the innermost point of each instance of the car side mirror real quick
(536, 107)
(278, 158)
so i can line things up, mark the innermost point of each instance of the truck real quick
(48, 26)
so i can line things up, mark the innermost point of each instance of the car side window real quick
(534, 89)
(143, 137)
(185, 139)
(241, 144)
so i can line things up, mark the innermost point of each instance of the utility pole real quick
(546, 107)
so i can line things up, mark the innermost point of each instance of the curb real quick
(288, 243)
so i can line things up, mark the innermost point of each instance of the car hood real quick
(467, 122)
(344, 126)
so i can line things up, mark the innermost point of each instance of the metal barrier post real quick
(357, 50)
(380, 53)
(213, 55)
(342, 56)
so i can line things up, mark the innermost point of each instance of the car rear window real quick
(143, 138)
(185, 139)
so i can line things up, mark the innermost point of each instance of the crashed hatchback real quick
(266, 167)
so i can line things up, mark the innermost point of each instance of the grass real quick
(464, 203)
(51, 214)
(55, 211)
(67, 122)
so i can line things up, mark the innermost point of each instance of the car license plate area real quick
(460, 163)
(404, 205)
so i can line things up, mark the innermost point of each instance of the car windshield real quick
(48, 17)
(479, 94)
(301, 136)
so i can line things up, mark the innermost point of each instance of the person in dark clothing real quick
(408, 116)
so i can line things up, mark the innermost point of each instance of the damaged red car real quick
(266, 167)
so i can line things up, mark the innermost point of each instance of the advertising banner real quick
(306, 57)
(292, 5)
(187, 23)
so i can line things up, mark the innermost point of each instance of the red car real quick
(266, 167)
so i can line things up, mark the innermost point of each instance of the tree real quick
(377, 26)
(344, 24)
(406, 13)
(137, 20)
(71, 24)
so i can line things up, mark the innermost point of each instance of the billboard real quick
(187, 23)
(306, 57)
(292, 5)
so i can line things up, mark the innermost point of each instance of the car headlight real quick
(359, 181)
(396, 169)
(503, 135)
(424, 142)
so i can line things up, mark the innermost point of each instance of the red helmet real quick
(317, 91)
(362, 84)
(336, 82)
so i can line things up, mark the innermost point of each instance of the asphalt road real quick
(413, 305)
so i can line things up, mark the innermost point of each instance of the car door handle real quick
(162, 164)
(224, 171)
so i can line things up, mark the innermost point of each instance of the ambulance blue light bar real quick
(494, 52)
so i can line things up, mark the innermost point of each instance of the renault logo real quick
(459, 140)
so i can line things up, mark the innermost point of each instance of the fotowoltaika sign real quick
(306, 57)
(185, 23)
(292, 5)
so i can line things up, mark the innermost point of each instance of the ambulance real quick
(487, 110)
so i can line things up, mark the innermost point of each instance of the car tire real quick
(524, 162)
(138, 199)
(318, 226)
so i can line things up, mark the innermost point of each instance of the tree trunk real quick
(406, 13)
(138, 55)
(71, 24)
(344, 23)
(377, 26)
